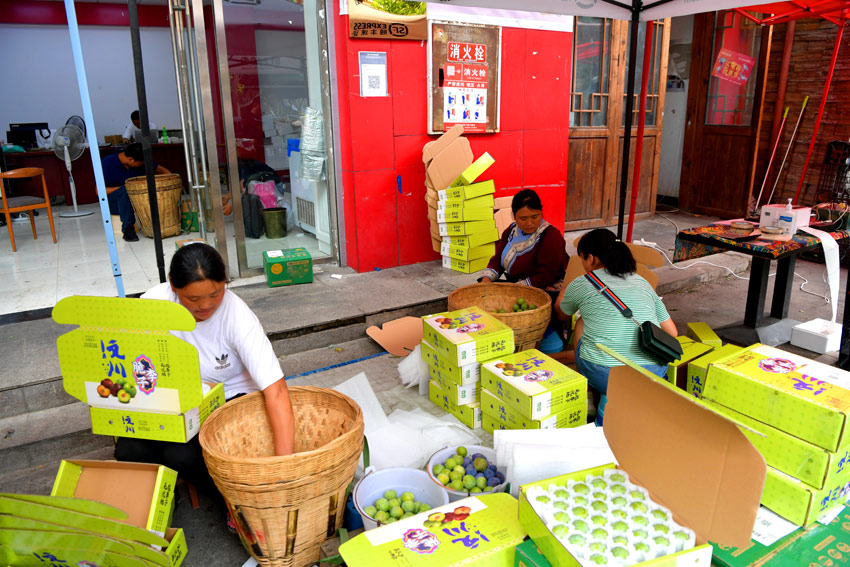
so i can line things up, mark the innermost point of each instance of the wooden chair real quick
(9, 205)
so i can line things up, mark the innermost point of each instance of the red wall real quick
(383, 184)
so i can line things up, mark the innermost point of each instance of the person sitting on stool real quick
(118, 168)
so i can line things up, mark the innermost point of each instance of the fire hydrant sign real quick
(464, 77)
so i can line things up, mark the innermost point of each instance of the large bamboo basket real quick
(285, 507)
(168, 190)
(528, 326)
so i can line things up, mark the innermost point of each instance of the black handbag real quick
(652, 339)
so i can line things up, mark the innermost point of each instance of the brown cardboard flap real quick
(503, 203)
(504, 218)
(693, 461)
(449, 164)
(432, 149)
(126, 486)
(399, 336)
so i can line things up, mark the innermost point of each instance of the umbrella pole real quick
(821, 107)
(644, 84)
(630, 104)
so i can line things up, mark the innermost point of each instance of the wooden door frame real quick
(701, 62)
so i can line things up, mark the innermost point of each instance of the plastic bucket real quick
(274, 219)
(440, 457)
(401, 479)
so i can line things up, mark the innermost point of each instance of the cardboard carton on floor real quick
(503, 416)
(807, 399)
(533, 384)
(702, 333)
(474, 171)
(485, 537)
(287, 267)
(483, 202)
(790, 455)
(799, 502)
(464, 228)
(39, 530)
(445, 167)
(465, 266)
(473, 240)
(704, 471)
(461, 375)
(145, 492)
(467, 335)
(468, 191)
(677, 371)
(466, 253)
(125, 342)
(464, 215)
(697, 369)
(458, 394)
(469, 414)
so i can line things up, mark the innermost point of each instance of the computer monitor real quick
(23, 133)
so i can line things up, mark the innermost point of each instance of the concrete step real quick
(49, 451)
(32, 397)
(36, 426)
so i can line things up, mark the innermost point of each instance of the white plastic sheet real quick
(833, 268)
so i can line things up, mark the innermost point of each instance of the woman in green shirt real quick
(612, 262)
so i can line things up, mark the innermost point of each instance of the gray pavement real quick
(321, 326)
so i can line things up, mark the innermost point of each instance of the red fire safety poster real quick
(464, 77)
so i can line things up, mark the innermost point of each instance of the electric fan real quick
(68, 145)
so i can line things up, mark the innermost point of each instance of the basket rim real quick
(280, 459)
(547, 302)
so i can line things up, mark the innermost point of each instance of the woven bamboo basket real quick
(169, 187)
(285, 507)
(528, 326)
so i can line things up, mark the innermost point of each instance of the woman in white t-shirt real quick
(232, 349)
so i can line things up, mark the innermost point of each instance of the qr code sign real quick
(373, 81)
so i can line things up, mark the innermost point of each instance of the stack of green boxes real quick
(798, 414)
(454, 345)
(529, 390)
(465, 219)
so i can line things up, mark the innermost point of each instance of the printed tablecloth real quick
(688, 250)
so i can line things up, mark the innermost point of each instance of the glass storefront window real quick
(591, 56)
(654, 83)
(735, 55)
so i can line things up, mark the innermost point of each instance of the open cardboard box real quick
(693, 461)
(39, 530)
(128, 340)
(145, 492)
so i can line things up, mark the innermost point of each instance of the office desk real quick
(169, 156)
(704, 240)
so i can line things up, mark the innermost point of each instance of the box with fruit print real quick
(461, 375)
(138, 379)
(481, 530)
(533, 384)
(496, 414)
(468, 414)
(467, 335)
(460, 395)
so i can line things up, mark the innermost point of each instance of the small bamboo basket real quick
(169, 187)
(285, 507)
(529, 326)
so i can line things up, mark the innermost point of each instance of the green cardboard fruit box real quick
(465, 228)
(127, 343)
(702, 333)
(150, 504)
(533, 384)
(799, 502)
(465, 266)
(802, 397)
(697, 369)
(474, 171)
(473, 240)
(790, 455)
(459, 395)
(462, 215)
(527, 555)
(467, 191)
(466, 253)
(467, 335)
(287, 267)
(818, 546)
(482, 202)
(480, 530)
(498, 415)
(469, 414)
(704, 470)
(461, 375)
(77, 531)
(677, 371)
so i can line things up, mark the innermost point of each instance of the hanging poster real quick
(464, 77)
(733, 66)
(387, 19)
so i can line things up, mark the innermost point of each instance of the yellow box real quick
(467, 192)
(466, 228)
(465, 266)
(697, 369)
(472, 240)
(127, 342)
(467, 335)
(463, 215)
(474, 171)
(503, 416)
(469, 414)
(459, 394)
(467, 253)
(677, 370)
(461, 375)
(702, 333)
(799, 502)
(482, 202)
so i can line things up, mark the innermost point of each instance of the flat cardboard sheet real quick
(446, 166)
(126, 486)
(432, 149)
(399, 336)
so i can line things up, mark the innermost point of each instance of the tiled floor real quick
(40, 273)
